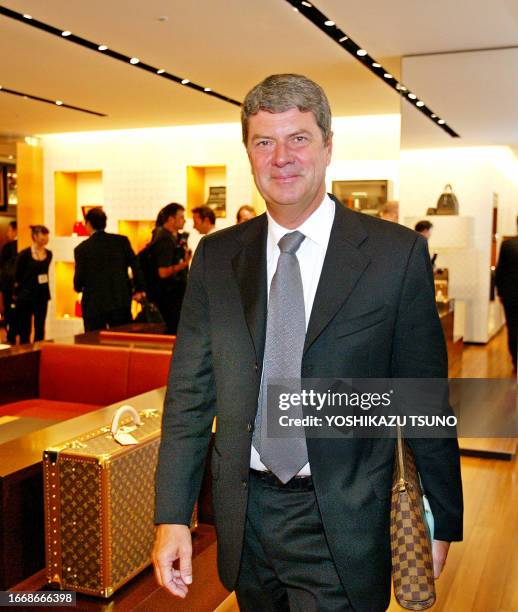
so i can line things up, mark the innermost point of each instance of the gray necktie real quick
(285, 335)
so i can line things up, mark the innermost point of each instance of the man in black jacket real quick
(7, 261)
(507, 285)
(101, 274)
(314, 290)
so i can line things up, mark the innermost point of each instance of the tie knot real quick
(291, 242)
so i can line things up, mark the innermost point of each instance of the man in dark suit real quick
(308, 289)
(507, 285)
(7, 265)
(101, 274)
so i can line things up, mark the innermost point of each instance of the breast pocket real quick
(361, 322)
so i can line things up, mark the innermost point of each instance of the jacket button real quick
(256, 367)
(244, 484)
(249, 427)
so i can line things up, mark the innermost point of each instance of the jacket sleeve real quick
(189, 408)
(420, 352)
(79, 282)
(501, 269)
(133, 263)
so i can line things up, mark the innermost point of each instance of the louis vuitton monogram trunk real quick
(99, 506)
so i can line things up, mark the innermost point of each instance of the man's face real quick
(11, 233)
(175, 223)
(288, 157)
(198, 223)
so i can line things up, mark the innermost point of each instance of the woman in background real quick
(31, 285)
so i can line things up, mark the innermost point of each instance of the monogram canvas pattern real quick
(131, 494)
(80, 523)
(412, 565)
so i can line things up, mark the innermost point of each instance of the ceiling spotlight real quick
(59, 102)
(161, 71)
(27, 16)
(376, 65)
(308, 4)
(66, 33)
(295, 9)
(361, 52)
(102, 47)
(433, 116)
(134, 60)
(185, 81)
(329, 23)
(420, 103)
(441, 121)
(401, 87)
(344, 38)
(412, 96)
(387, 75)
(207, 89)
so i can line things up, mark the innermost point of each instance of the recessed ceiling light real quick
(401, 87)
(376, 65)
(433, 116)
(308, 4)
(185, 81)
(412, 96)
(66, 33)
(102, 47)
(207, 89)
(161, 71)
(27, 16)
(441, 121)
(134, 60)
(387, 75)
(329, 23)
(420, 103)
(163, 18)
(59, 102)
(361, 52)
(295, 9)
(344, 38)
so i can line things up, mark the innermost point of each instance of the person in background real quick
(245, 213)
(507, 285)
(204, 219)
(390, 211)
(424, 228)
(7, 264)
(101, 275)
(169, 259)
(31, 292)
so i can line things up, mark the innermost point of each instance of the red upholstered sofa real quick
(76, 378)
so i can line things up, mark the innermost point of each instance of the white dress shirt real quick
(311, 254)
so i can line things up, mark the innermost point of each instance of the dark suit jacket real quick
(374, 315)
(507, 271)
(101, 273)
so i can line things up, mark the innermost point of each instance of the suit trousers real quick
(286, 564)
(106, 320)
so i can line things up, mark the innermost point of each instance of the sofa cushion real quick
(46, 409)
(147, 370)
(83, 374)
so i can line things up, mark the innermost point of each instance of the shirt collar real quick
(317, 227)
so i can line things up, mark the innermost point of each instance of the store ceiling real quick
(228, 46)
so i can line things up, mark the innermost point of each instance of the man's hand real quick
(439, 553)
(173, 542)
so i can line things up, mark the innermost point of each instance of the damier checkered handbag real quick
(412, 561)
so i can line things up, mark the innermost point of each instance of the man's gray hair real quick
(281, 92)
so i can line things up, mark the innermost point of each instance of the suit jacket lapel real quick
(343, 265)
(249, 266)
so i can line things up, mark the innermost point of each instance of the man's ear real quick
(329, 147)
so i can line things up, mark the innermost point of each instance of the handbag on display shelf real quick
(410, 534)
(447, 204)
